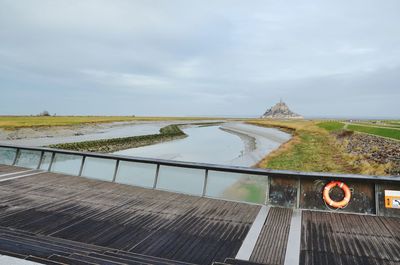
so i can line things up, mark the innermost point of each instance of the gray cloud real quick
(333, 58)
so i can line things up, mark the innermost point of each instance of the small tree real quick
(44, 113)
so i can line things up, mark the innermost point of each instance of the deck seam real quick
(21, 176)
(16, 173)
(250, 241)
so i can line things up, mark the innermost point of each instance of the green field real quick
(379, 124)
(385, 132)
(389, 129)
(331, 125)
(11, 122)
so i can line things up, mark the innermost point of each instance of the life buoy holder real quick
(347, 194)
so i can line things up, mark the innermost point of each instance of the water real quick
(241, 145)
(203, 144)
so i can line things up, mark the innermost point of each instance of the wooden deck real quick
(271, 244)
(58, 219)
(155, 223)
(330, 238)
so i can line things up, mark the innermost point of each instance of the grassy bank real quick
(310, 149)
(167, 133)
(14, 122)
(381, 129)
(331, 126)
(384, 132)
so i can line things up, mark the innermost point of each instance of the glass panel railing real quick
(28, 158)
(99, 168)
(236, 186)
(185, 180)
(7, 155)
(44, 165)
(137, 174)
(68, 164)
(283, 191)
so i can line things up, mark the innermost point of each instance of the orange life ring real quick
(332, 203)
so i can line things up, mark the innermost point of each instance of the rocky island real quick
(281, 111)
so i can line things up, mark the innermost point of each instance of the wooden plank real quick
(272, 242)
(251, 239)
(292, 256)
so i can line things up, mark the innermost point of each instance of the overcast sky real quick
(324, 58)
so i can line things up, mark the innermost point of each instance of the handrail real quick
(214, 167)
(280, 187)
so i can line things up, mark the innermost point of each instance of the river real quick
(229, 144)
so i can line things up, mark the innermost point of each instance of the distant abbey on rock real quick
(281, 111)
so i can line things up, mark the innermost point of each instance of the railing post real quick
(115, 170)
(156, 177)
(51, 161)
(82, 164)
(205, 183)
(376, 191)
(16, 157)
(267, 190)
(40, 160)
(298, 193)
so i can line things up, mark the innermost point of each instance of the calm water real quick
(203, 144)
(213, 145)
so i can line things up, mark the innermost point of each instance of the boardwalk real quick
(58, 219)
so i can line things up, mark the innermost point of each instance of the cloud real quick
(223, 57)
(134, 81)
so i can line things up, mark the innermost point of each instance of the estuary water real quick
(230, 144)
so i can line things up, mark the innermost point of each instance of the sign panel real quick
(392, 199)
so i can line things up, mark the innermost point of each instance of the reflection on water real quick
(204, 144)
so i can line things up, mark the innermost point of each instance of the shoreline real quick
(44, 136)
(167, 133)
(261, 140)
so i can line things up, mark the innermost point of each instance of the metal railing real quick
(252, 185)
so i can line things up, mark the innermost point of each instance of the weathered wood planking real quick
(155, 223)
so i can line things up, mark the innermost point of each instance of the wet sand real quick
(259, 141)
(44, 136)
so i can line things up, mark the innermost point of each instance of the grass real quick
(331, 125)
(394, 122)
(314, 149)
(385, 132)
(388, 124)
(13, 122)
(167, 133)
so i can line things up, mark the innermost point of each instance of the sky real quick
(200, 57)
